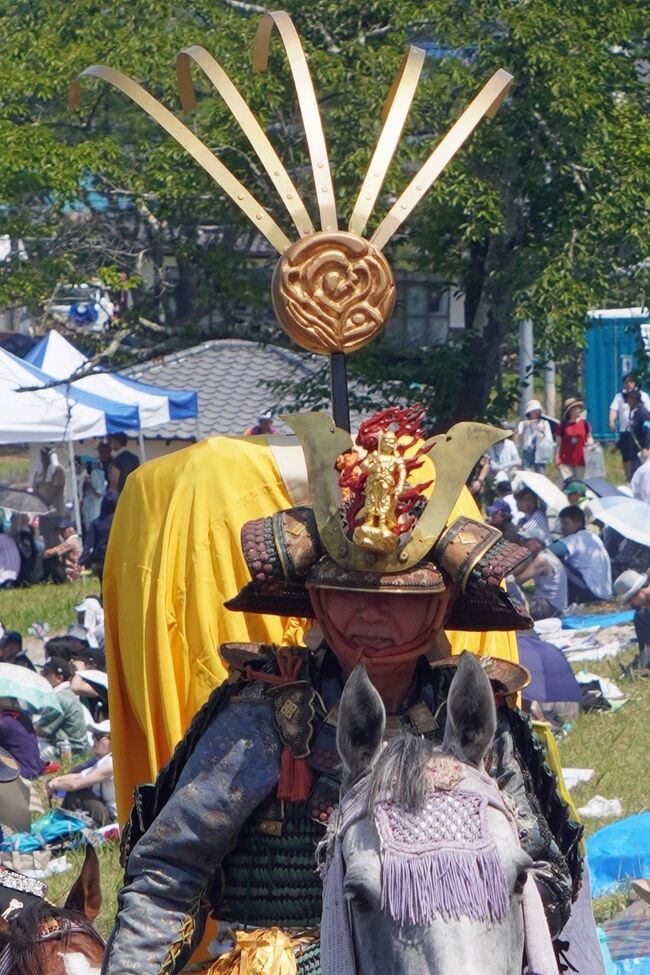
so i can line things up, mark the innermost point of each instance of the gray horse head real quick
(408, 884)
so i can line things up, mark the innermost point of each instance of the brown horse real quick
(40, 939)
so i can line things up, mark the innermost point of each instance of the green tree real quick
(542, 215)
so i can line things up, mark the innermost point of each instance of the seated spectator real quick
(30, 548)
(576, 493)
(9, 559)
(503, 491)
(91, 686)
(17, 736)
(549, 575)
(585, 559)
(96, 542)
(14, 796)
(60, 646)
(640, 482)
(11, 650)
(503, 456)
(633, 588)
(532, 513)
(92, 790)
(68, 726)
(90, 659)
(90, 615)
(499, 516)
(67, 552)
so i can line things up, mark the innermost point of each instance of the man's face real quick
(526, 502)
(101, 744)
(628, 384)
(497, 519)
(574, 497)
(372, 626)
(640, 598)
(9, 650)
(264, 424)
(569, 527)
(104, 453)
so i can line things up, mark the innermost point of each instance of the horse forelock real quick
(24, 929)
(407, 770)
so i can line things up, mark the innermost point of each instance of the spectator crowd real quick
(50, 546)
(66, 743)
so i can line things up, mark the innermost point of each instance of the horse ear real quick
(471, 713)
(360, 726)
(85, 895)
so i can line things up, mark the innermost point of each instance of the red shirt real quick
(573, 437)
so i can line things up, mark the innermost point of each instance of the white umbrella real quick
(543, 487)
(628, 516)
(24, 684)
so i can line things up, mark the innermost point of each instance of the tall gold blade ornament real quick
(395, 112)
(186, 138)
(487, 103)
(333, 290)
(307, 103)
(247, 123)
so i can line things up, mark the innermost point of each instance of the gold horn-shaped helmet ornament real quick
(333, 290)
(454, 454)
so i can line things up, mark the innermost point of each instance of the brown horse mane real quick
(21, 933)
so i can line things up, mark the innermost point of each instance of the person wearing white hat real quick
(263, 425)
(633, 589)
(92, 788)
(90, 615)
(535, 438)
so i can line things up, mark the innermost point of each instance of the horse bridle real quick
(51, 929)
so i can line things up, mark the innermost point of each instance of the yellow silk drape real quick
(174, 557)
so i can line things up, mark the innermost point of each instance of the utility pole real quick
(526, 362)
(549, 387)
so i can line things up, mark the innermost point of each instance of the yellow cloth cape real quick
(174, 556)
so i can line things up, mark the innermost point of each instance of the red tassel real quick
(296, 778)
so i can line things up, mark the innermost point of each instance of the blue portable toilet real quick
(614, 336)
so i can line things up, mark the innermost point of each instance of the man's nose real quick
(371, 612)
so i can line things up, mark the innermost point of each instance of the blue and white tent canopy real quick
(59, 358)
(52, 414)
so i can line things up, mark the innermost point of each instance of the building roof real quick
(231, 377)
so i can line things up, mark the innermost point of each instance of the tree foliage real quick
(542, 215)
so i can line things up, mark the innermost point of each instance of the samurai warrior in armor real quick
(233, 821)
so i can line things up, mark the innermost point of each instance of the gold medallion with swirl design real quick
(333, 292)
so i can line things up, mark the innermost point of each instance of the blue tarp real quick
(619, 852)
(120, 417)
(597, 619)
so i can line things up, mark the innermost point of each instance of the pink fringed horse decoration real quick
(424, 874)
(37, 938)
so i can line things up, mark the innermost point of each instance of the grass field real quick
(615, 744)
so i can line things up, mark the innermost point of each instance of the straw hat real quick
(571, 402)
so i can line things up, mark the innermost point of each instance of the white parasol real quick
(543, 487)
(628, 516)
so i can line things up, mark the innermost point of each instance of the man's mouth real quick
(369, 642)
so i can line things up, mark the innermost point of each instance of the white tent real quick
(58, 358)
(54, 415)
